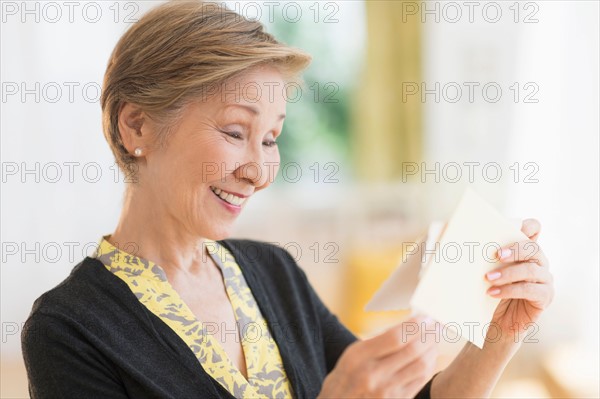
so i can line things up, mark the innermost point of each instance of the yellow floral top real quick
(148, 281)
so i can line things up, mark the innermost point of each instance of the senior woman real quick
(169, 307)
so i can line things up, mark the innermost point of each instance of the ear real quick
(135, 128)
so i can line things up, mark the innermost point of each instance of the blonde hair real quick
(178, 52)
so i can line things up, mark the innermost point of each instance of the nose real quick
(255, 169)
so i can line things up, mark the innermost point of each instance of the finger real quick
(524, 271)
(419, 369)
(531, 228)
(523, 251)
(538, 293)
(393, 339)
(412, 351)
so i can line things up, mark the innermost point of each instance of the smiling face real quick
(219, 154)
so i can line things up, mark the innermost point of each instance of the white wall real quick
(70, 215)
(559, 134)
(54, 220)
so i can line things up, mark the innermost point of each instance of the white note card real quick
(452, 286)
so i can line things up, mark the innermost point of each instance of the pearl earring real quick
(137, 152)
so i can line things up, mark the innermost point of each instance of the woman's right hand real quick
(394, 364)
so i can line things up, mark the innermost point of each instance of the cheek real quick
(206, 161)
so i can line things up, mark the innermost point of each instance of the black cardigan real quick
(90, 337)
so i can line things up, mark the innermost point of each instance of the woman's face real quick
(221, 152)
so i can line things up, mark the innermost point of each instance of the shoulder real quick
(76, 304)
(263, 257)
(254, 248)
(70, 293)
(271, 267)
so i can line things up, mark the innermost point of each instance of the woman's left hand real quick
(523, 282)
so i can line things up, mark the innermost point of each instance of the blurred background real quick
(404, 106)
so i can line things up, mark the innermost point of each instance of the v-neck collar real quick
(168, 306)
(262, 303)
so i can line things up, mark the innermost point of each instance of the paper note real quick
(452, 287)
(396, 291)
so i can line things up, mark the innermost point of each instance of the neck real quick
(146, 226)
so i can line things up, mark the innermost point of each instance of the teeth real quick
(232, 199)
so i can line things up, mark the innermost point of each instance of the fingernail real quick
(504, 253)
(494, 291)
(493, 275)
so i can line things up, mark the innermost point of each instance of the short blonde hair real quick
(175, 53)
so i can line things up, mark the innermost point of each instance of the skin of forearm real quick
(474, 372)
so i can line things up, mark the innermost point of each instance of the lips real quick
(233, 199)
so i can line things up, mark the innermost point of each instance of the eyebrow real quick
(252, 109)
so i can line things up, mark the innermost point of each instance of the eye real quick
(270, 143)
(235, 135)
